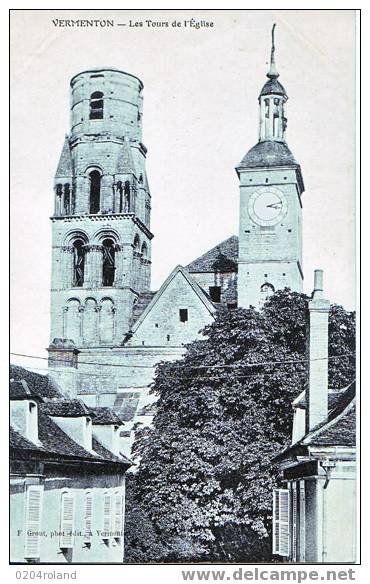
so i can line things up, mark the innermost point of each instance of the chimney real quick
(317, 402)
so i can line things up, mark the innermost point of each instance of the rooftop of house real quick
(338, 430)
(40, 386)
(340, 427)
(53, 443)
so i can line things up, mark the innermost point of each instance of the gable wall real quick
(163, 319)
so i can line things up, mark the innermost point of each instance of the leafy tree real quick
(223, 412)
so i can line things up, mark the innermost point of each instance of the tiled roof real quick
(107, 454)
(268, 154)
(221, 258)
(16, 440)
(104, 416)
(140, 305)
(39, 385)
(57, 442)
(340, 427)
(273, 86)
(20, 390)
(65, 162)
(71, 408)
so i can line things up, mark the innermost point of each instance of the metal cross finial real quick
(273, 72)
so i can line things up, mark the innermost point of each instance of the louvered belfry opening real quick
(108, 262)
(78, 263)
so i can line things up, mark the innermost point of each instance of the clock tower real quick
(271, 186)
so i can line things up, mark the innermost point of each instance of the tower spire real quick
(273, 74)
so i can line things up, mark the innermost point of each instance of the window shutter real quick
(284, 522)
(107, 514)
(294, 521)
(280, 523)
(67, 520)
(275, 522)
(33, 521)
(118, 514)
(88, 517)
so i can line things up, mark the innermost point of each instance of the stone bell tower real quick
(101, 223)
(271, 185)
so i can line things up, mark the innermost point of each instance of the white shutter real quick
(88, 517)
(284, 522)
(275, 522)
(294, 521)
(107, 514)
(67, 520)
(118, 514)
(281, 521)
(302, 522)
(33, 521)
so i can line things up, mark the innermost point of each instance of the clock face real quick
(267, 206)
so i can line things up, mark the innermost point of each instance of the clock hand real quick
(275, 205)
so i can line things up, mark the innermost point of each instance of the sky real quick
(200, 118)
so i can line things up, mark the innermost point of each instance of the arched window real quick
(137, 242)
(108, 262)
(67, 199)
(96, 105)
(78, 262)
(95, 184)
(267, 290)
(144, 250)
(120, 193)
(127, 193)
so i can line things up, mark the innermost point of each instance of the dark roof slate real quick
(340, 427)
(104, 415)
(273, 86)
(221, 258)
(39, 385)
(140, 305)
(71, 408)
(268, 154)
(17, 441)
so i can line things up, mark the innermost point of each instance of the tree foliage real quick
(203, 487)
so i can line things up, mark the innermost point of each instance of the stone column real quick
(82, 195)
(93, 266)
(66, 272)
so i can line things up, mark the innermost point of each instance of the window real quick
(127, 197)
(78, 262)
(126, 404)
(267, 290)
(117, 516)
(33, 521)
(215, 293)
(183, 314)
(144, 250)
(107, 516)
(67, 517)
(67, 199)
(88, 519)
(96, 105)
(281, 523)
(108, 262)
(120, 193)
(95, 184)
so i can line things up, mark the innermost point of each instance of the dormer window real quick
(96, 105)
